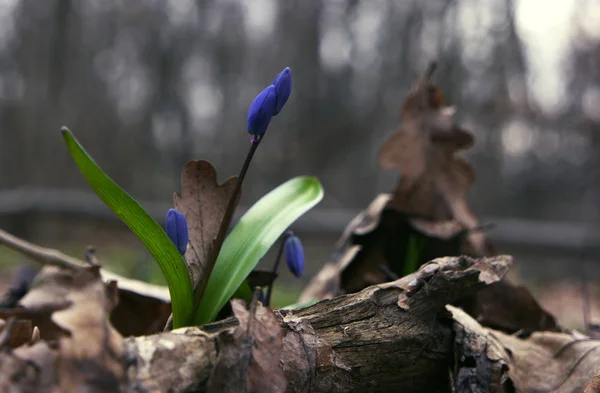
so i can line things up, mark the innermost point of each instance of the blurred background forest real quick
(148, 85)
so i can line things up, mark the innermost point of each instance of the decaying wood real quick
(387, 338)
(490, 360)
(393, 337)
(399, 336)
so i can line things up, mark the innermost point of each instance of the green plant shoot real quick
(413, 253)
(171, 263)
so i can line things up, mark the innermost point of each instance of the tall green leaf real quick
(144, 226)
(252, 237)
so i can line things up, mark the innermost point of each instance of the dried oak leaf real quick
(138, 312)
(509, 308)
(88, 353)
(47, 294)
(203, 202)
(91, 356)
(434, 180)
(593, 386)
(29, 369)
(138, 315)
(249, 357)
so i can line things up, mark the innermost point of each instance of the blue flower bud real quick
(261, 111)
(294, 255)
(283, 88)
(262, 298)
(177, 230)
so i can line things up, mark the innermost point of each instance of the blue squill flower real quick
(283, 88)
(294, 255)
(177, 230)
(261, 111)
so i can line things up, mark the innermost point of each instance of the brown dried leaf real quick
(29, 369)
(374, 244)
(594, 385)
(507, 307)
(249, 357)
(89, 354)
(434, 180)
(15, 332)
(203, 202)
(137, 313)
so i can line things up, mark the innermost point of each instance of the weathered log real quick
(392, 337)
(395, 337)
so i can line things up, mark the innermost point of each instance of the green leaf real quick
(243, 292)
(144, 226)
(413, 254)
(252, 237)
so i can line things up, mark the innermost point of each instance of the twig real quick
(252, 313)
(45, 256)
(48, 256)
(389, 275)
(430, 70)
(585, 295)
(90, 256)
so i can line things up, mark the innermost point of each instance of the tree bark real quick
(391, 337)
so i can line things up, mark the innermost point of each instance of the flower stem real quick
(276, 265)
(199, 290)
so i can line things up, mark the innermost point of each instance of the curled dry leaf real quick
(138, 312)
(426, 217)
(29, 369)
(508, 307)
(594, 385)
(203, 202)
(249, 356)
(433, 178)
(376, 243)
(88, 355)
(91, 356)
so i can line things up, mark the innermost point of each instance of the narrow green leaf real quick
(252, 237)
(413, 254)
(243, 292)
(144, 226)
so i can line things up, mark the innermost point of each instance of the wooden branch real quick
(387, 338)
(48, 256)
